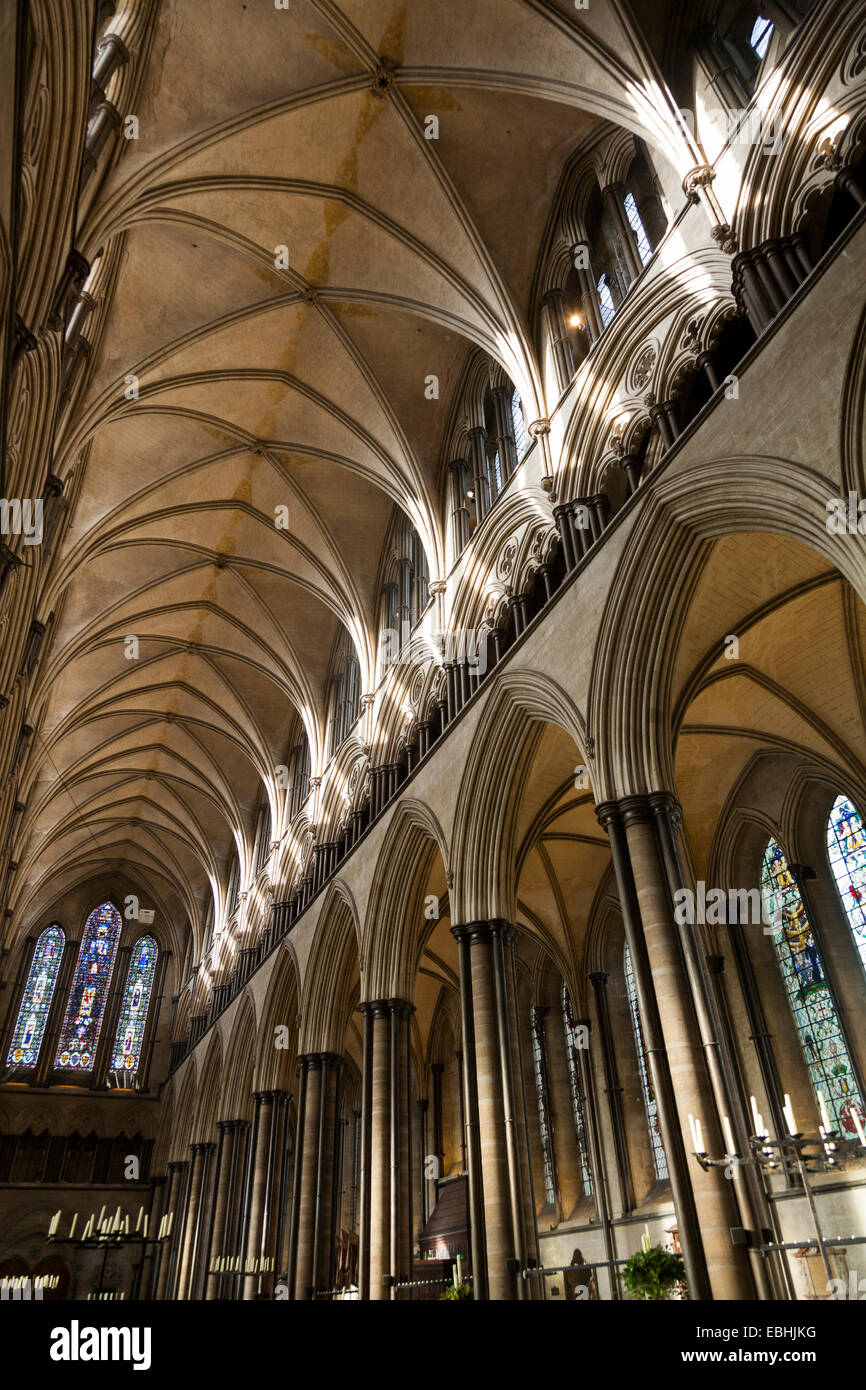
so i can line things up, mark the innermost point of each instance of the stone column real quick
(478, 471)
(505, 441)
(706, 1209)
(390, 1239)
(261, 1173)
(504, 1148)
(613, 1091)
(191, 1247)
(225, 1171)
(313, 1236)
(176, 1173)
(553, 305)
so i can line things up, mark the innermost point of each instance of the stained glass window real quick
(635, 221)
(762, 32)
(605, 300)
(540, 1066)
(808, 993)
(521, 442)
(846, 847)
(133, 1013)
(578, 1099)
(80, 1032)
(649, 1098)
(36, 1001)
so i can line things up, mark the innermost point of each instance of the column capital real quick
(203, 1146)
(484, 930)
(599, 978)
(319, 1061)
(380, 1007)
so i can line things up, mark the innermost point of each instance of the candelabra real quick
(792, 1153)
(102, 1233)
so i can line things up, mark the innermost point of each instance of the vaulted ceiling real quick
(262, 386)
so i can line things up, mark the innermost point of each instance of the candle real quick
(54, 1222)
(858, 1125)
(645, 1242)
(73, 1224)
(454, 1274)
(117, 1219)
(99, 1219)
(760, 1131)
(756, 1118)
(822, 1106)
(788, 1112)
(144, 1230)
(694, 1133)
(139, 1218)
(459, 1270)
(170, 1223)
(700, 1136)
(729, 1137)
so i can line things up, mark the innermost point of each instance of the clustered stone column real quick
(386, 1179)
(229, 1169)
(311, 1256)
(704, 1200)
(500, 1185)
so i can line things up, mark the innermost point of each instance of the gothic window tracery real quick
(82, 1025)
(809, 994)
(846, 850)
(539, 1060)
(36, 1001)
(660, 1162)
(578, 1099)
(126, 1053)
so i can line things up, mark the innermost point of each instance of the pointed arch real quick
(395, 926)
(484, 828)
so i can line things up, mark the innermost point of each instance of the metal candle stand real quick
(104, 1235)
(791, 1154)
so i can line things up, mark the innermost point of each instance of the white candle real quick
(54, 1222)
(459, 1270)
(694, 1133)
(101, 1215)
(788, 1112)
(144, 1229)
(756, 1118)
(729, 1137)
(73, 1225)
(139, 1218)
(760, 1132)
(858, 1125)
(822, 1106)
(700, 1137)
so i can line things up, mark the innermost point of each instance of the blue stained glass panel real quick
(87, 998)
(133, 1013)
(846, 848)
(809, 994)
(36, 1001)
